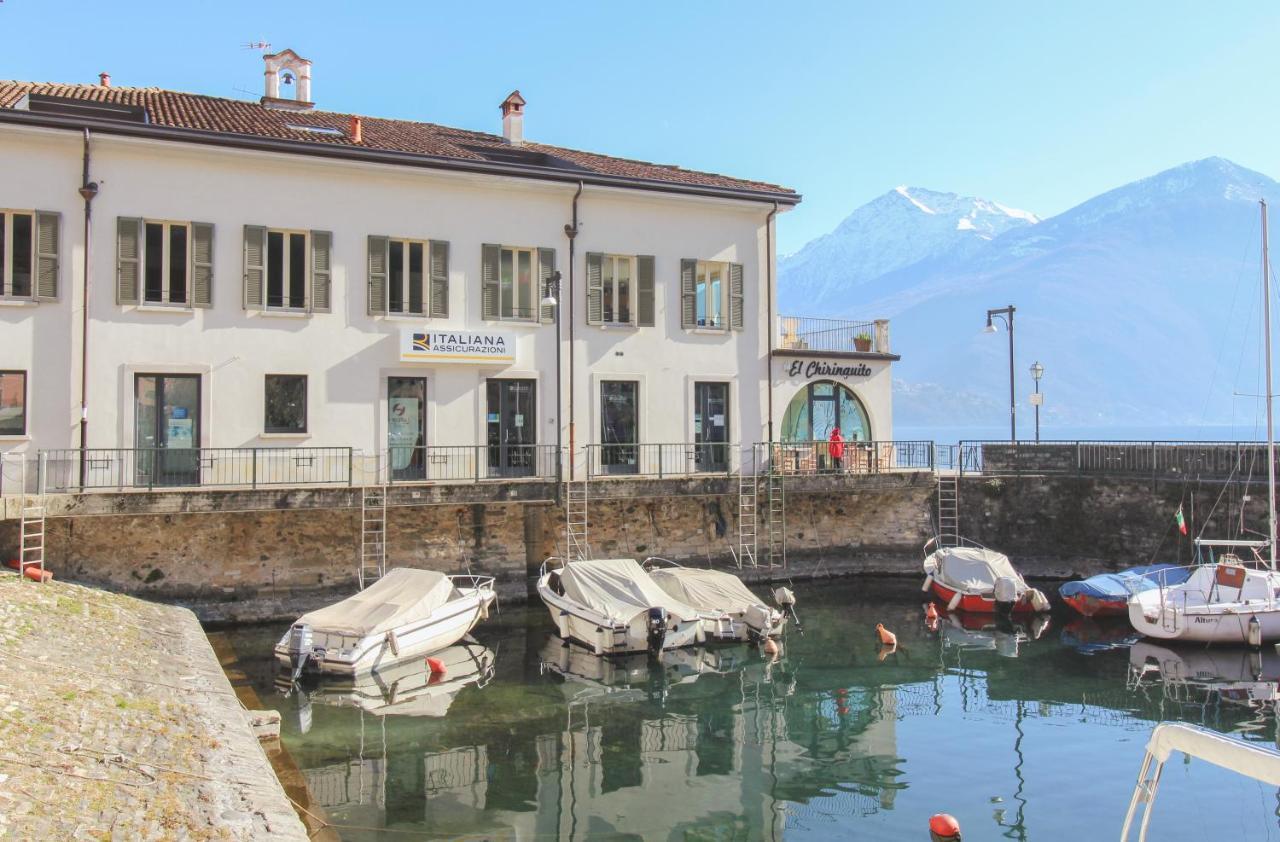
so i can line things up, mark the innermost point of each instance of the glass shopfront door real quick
(167, 429)
(512, 428)
(407, 427)
(711, 426)
(619, 426)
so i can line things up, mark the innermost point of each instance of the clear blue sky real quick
(1035, 105)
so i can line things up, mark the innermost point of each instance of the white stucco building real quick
(182, 272)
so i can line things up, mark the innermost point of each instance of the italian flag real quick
(1180, 520)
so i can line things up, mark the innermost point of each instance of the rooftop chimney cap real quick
(513, 119)
(104, 79)
(513, 103)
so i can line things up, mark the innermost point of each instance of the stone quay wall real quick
(267, 555)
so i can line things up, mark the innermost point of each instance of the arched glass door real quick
(819, 408)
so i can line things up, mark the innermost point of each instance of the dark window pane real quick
(395, 278)
(13, 403)
(286, 403)
(4, 289)
(178, 264)
(21, 254)
(415, 278)
(153, 271)
(297, 270)
(275, 269)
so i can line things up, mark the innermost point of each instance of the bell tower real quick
(290, 71)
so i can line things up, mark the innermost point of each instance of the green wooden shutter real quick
(490, 255)
(48, 224)
(379, 259)
(321, 271)
(736, 309)
(439, 295)
(646, 304)
(255, 266)
(128, 259)
(201, 264)
(546, 268)
(595, 289)
(688, 293)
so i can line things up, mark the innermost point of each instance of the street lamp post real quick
(1037, 371)
(1005, 314)
(553, 292)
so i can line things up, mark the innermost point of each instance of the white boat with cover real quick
(733, 611)
(612, 606)
(970, 577)
(404, 615)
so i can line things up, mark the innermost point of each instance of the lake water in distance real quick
(1023, 733)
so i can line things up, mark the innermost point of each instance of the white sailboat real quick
(1224, 601)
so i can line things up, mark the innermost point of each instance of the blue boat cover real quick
(1118, 586)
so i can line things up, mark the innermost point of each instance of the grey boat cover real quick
(710, 590)
(618, 588)
(400, 597)
(974, 569)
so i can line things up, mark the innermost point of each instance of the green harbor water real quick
(1019, 732)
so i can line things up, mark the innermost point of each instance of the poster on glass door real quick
(403, 424)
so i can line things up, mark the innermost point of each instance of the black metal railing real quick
(463, 463)
(1147, 459)
(96, 469)
(854, 457)
(662, 460)
(804, 333)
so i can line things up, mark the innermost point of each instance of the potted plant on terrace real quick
(862, 341)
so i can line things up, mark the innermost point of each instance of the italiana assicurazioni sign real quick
(809, 369)
(456, 346)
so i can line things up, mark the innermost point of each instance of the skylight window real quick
(316, 129)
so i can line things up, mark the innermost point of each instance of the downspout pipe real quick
(88, 191)
(571, 231)
(768, 268)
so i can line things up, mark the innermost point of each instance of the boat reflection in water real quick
(967, 631)
(1246, 677)
(1091, 635)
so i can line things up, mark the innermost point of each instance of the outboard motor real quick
(657, 629)
(1006, 595)
(299, 648)
(787, 602)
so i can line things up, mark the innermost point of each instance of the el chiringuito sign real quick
(456, 346)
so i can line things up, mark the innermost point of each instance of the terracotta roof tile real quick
(241, 117)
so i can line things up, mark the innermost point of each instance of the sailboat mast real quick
(1271, 438)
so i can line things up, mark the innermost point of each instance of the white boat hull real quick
(1201, 612)
(609, 636)
(338, 654)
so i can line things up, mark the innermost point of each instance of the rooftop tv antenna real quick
(261, 46)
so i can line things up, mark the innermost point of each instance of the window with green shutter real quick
(408, 277)
(711, 295)
(513, 282)
(620, 289)
(164, 263)
(287, 270)
(17, 254)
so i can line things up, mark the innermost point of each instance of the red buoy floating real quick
(887, 637)
(436, 666)
(944, 826)
(930, 612)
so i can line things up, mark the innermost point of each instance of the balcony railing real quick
(661, 460)
(858, 457)
(470, 463)
(121, 469)
(802, 333)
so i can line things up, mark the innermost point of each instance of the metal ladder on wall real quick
(577, 545)
(748, 496)
(373, 533)
(777, 518)
(31, 532)
(948, 511)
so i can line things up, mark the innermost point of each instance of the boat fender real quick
(784, 597)
(943, 826)
(1255, 633)
(928, 582)
(930, 612)
(771, 646)
(700, 635)
(393, 642)
(436, 666)
(599, 640)
(1039, 601)
(955, 602)
(562, 624)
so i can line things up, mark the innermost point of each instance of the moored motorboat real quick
(1220, 602)
(723, 595)
(1107, 594)
(612, 606)
(971, 577)
(406, 614)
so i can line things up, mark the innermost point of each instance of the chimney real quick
(513, 119)
(104, 79)
(356, 134)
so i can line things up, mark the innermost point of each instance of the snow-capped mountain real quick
(1141, 303)
(898, 229)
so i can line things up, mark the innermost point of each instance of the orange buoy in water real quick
(930, 612)
(944, 827)
(887, 637)
(436, 665)
(770, 646)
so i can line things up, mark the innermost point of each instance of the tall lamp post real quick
(1005, 314)
(553, 291)
(1037, 371)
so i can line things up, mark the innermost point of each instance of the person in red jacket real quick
(835, 447)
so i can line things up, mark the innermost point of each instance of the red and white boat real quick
(970, 577)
